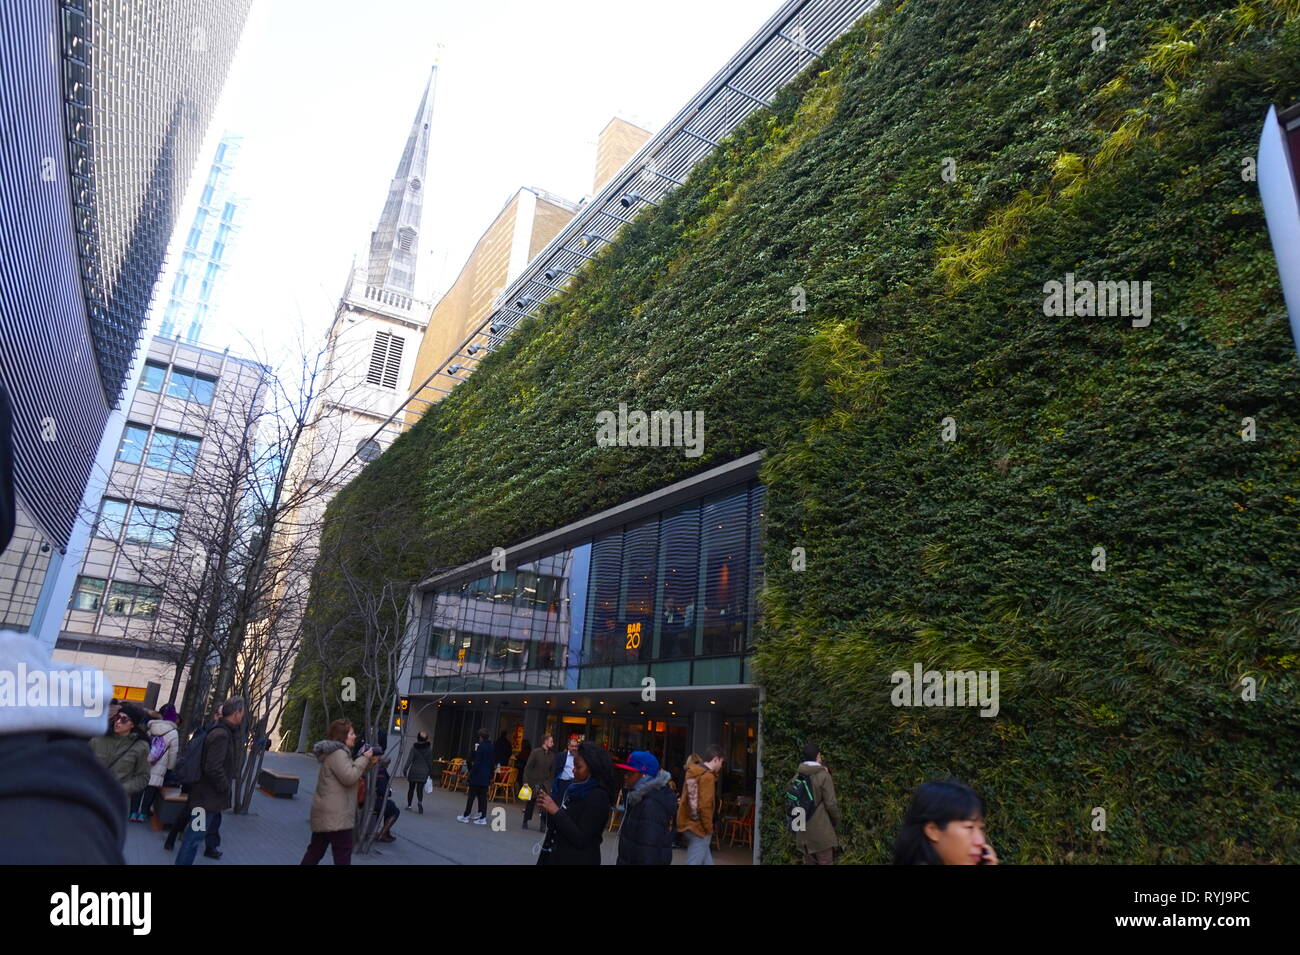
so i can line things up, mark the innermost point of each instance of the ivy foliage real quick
(1114, 156)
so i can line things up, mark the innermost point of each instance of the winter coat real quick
(334, 804)
(483, 762)
(420, 764)
(538, 771)
(58, 804)
(126, 757)
(212, 791)
(819, 834)
(167, 730)
(646, 836)
(575, 830)
(699, 798)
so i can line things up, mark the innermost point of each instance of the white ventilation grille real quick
(385, 359)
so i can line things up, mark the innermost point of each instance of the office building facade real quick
(140, 592)
(108, 102)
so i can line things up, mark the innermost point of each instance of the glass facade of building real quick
(670, 596)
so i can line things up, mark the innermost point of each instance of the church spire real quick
(395, 243)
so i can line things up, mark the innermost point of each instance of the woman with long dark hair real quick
(577, 822)
(944, 825)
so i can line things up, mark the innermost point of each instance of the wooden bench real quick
(169, 804)
(277, 784)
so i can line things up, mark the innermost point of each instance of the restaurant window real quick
(757, 505)
(679, 574)
(724, 560)
(604, 635)
(638, 578)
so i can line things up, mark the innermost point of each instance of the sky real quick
(324, 93)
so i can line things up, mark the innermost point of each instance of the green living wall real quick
(921, 184)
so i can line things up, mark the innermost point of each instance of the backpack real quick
(157, 748)
(189, 769)
(800, 804)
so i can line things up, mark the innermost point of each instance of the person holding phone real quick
(944, 825)
(579, 819)
(334, 804)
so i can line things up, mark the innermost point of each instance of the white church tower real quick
(378, 325)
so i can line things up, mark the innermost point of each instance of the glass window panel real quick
(112, 515)
(187, 454)
(131, 600)
(724, 522)
(152, 378)
(637, 615)
(88, 593)
(179, 386)
(757, 501)
(679, 574)
(134, 438)
(161, 450)
(604, 631)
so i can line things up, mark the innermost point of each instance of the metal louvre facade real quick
(104, 106)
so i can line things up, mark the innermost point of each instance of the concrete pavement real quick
(276, 832)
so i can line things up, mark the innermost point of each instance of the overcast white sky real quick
(324, 92)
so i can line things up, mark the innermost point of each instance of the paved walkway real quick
(276, 832)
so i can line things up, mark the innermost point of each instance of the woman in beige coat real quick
(334, 805)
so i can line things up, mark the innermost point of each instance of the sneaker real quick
(212, 853)
(462, 818)
(408, 807)
(481, 821)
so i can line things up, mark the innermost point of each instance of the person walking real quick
(334, 804)
(211, 794)
(646, 836)
(164, 744)
(944, 825)
(564, 768)
(213, 841)
(538, 772)
(482, 764)
(817, 841)
(503, 749)
(419, 767)
(699, 801)
(124, 752)
(579, 819)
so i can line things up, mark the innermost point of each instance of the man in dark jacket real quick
(646, 836)
(211, 794)
(503, 749)
(213, 840)
(482, 763)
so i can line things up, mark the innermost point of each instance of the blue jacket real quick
(481, 764)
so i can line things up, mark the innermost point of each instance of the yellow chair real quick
(450, 774)
(503, 784)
